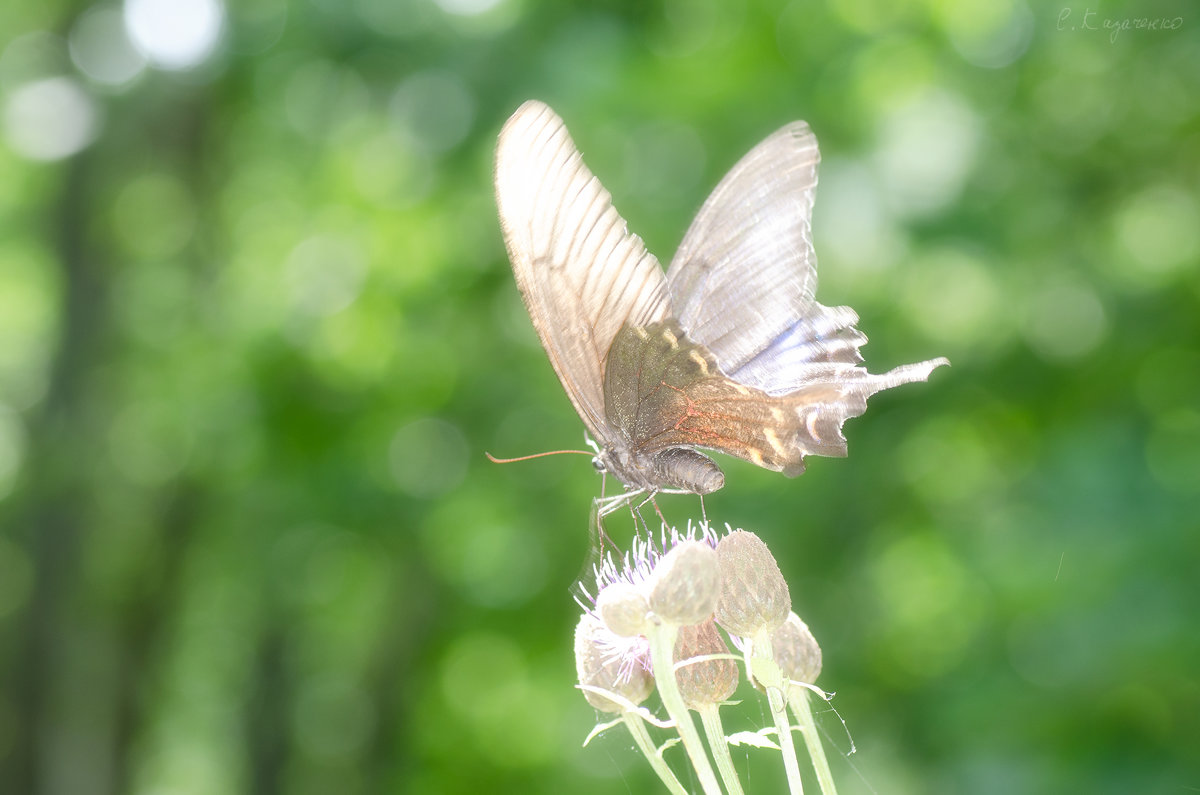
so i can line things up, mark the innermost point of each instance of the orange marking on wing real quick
(715, 439)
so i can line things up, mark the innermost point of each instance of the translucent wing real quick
(744, 281)
(581, 273)
(746, 271)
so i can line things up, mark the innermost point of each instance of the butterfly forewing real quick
(746, 269)
(581, 274)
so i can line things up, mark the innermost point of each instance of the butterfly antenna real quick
(495, 460)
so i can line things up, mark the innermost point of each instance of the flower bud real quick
(754, 596)
(685, 584)
(707, 681)
(597, 667)
(623, 608)
(796, 651)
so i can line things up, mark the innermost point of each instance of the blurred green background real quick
(257, 330)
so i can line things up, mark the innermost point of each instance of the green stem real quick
(662, 650)
(637, 727)
(710, 718)
(786, 744)
(798, 700)
(768, 674)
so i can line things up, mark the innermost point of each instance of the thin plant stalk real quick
(662, 647)
(798, 700)
(645, 744)
(786, 745)
(710, 718)
(768, 674)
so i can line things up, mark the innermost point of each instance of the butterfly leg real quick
(601, 540)
(657, 510)
(610, 504)
(639, 521)
(638, 511)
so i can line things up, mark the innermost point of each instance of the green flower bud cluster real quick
(684, 617)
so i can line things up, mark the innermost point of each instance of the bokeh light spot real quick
(406, 19)
(393, 175)
(692, 26)
(428, 457)
(988, 33)
(929, 609)
(1071, 89)
(473, 666)
(33, 56)
(259, 24)
(29, 311)
(322, 98)
(1045, 654)
(102, 50)
(154, 303)
(889, 75)
(324, 275)
(952, 296)
(1159, 231)
(467, 8)
(148, 444)
(947, 461)
(50, 119)
(663, 160)
(870, 16)
(490, 688)
(1173, 451)
(333, 718)
(926, 150)
(164, 198)
(433, 110)
(491, 562)
(1065, 320)
(853, 229)
(174, 34)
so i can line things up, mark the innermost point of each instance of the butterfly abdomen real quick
(686, 469)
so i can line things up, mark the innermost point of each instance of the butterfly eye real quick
(598, 464)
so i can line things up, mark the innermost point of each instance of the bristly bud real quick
(754, 595)
(598, 667)
(623, 608)
(685, 584)
(708, 681)
(796, 651)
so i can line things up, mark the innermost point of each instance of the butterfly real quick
(727, 351)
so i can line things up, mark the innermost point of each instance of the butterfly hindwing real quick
(665, 391)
